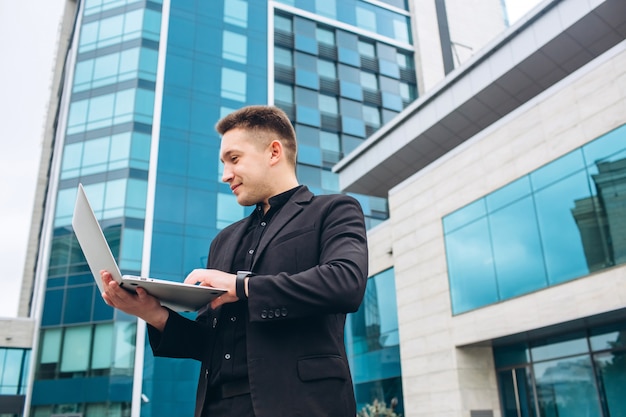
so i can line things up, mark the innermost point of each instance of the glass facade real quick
(373, 344)
(13, 371)
(576, 374)
(337, 86)
(86, 350)
(563, 221)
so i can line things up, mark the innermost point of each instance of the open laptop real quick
(175, 295)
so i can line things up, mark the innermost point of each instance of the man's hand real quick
(217, 279)
(141, 304)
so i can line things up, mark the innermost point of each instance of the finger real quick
(192, 278)
(217, 302)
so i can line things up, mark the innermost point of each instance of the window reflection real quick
(575, 374)
(567, 387)
(372, 342)
(562, 221)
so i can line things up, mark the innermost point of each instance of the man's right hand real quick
(140, 304)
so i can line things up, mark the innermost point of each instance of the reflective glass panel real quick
(567, 387)
(471, 267)
(518, 257)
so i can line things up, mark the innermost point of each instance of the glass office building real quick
(145, 81)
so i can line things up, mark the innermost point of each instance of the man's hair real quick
(267, 122)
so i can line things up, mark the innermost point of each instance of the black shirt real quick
(229, 361)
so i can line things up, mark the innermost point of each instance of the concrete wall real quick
(446, 369)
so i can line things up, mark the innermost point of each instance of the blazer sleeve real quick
(181, 337)
(331, 258)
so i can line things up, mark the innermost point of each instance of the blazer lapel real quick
(224, 261)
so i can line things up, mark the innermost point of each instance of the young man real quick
(273, 345)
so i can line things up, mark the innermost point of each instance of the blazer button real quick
(264, 314)
(283, 312)
(277, 312)
(270, 314)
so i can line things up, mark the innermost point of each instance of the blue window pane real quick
(236, 12)
(78, 304)
(612, 373)
(470, 267)
(366, 19)
(566, 220)
(326, 8)
(234, 47)
(309, 155)
(151, 24)
(11, 370)
(560, 168)
(308, 116)
(517, 249)
(228, 210)
(572, 396)
(609, 144)
(353, 126)
(349, 56)
(305, 44)
(101, 311)
(283, 57)
(389, 68)
(234, 84)
(309, 175)
(556, 347)
(392, 101)
(307, 78)
(131, 249)
(283, 93)
(464, 215)
(351, 90)
(508, 194)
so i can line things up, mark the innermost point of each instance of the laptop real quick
(176, 295)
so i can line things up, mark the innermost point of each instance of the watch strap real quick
(240, 284)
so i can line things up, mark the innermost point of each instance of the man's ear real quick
(276, 151)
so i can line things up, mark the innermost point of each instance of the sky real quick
(28, 46)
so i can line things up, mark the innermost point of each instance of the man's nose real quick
(227, 175)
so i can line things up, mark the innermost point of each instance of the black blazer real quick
(310, 270)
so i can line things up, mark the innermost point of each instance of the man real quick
(273, 344)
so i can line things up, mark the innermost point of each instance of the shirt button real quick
(251, 251)
(263, 224)
(214, 322)
(227, 356)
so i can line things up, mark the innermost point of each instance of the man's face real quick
(246, 167)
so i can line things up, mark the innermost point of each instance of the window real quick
(325, 36)
(366, 19)
(234, 84)
(236, 12)
(283, 24)
(369, 81)
(283, 93)
(92, 350)
(367, 49)
(283, 57)
(328, 104)
(327, 69)
(559, 221)
(235, 47)
(371, 116)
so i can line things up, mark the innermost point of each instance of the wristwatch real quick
(240, 288)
